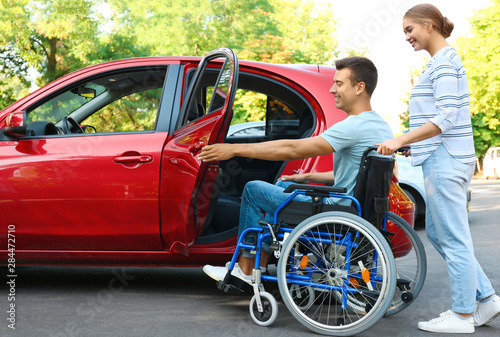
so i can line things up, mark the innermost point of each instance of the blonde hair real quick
(429, 14)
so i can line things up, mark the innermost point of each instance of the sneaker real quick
(486, 312)
(448, 322)
(236, 272)
(217, 273)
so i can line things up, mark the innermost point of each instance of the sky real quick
(376, 26)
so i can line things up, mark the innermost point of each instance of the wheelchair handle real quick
(375, 147)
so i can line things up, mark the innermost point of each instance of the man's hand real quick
(312, 177)
(216, 152)
(303, 178)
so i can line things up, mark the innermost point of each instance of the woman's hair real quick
(362, 70)
(427, 13)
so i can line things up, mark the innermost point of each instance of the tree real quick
(415, 73)
(308, 29)
(195, 27)
(56, 37)
(480, 52)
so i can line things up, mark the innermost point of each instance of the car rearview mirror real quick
(15, 124)
(84, 92)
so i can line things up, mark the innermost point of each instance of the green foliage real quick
(248, 106)
(136, 112)
(414, 74)
(10, 89)
(168, 27)
(56, 37)
(480, 52)
(308, 29)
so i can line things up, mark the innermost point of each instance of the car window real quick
(205, 101)
(125, 101)
(267, 108)
(65, 103)
(134, 112)
(262, 108)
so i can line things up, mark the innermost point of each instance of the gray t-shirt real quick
(350, 138)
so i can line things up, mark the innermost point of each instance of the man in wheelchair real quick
(354, 83)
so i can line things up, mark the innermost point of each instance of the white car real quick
(491, 163)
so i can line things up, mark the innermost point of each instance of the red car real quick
(100, 167)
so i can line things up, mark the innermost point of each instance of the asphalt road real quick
(57, 301)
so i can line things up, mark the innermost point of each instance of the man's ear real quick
(360, 88)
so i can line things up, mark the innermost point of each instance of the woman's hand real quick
(389, 146)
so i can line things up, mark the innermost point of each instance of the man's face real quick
(343, 89)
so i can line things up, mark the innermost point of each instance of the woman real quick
(441, 142)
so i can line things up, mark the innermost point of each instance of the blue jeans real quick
(447, 226)
(260, 197)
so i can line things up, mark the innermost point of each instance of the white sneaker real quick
(217, 273)
(447, 322)
(486, 312)
(236, 272)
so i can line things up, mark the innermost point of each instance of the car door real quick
(188, 186)
(89, 191)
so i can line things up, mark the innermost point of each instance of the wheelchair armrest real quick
(315, 188)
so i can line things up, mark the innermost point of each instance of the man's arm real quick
(312, 177)
(284, 149)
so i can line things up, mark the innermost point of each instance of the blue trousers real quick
(447, 226)
(260, 197)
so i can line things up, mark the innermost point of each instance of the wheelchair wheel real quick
(269, 306)
(350, 266)
(303, 296)
(411, 263)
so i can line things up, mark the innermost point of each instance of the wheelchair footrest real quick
(234, 286)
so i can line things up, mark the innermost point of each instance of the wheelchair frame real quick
(334, 259)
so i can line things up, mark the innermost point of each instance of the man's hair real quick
(362, 70)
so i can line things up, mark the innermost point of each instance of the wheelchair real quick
(340, 269)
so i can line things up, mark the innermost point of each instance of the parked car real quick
(100, 167)
(491, 163)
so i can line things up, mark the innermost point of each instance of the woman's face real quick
(417, 34)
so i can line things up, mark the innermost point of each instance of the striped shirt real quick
(441, 96)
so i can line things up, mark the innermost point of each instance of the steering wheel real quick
(69, 124)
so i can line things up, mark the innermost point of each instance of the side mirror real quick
(88, 129)
(15, 124)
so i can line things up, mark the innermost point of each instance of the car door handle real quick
(133, 159)
(196, 147)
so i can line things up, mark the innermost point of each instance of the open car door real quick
(188, 186)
